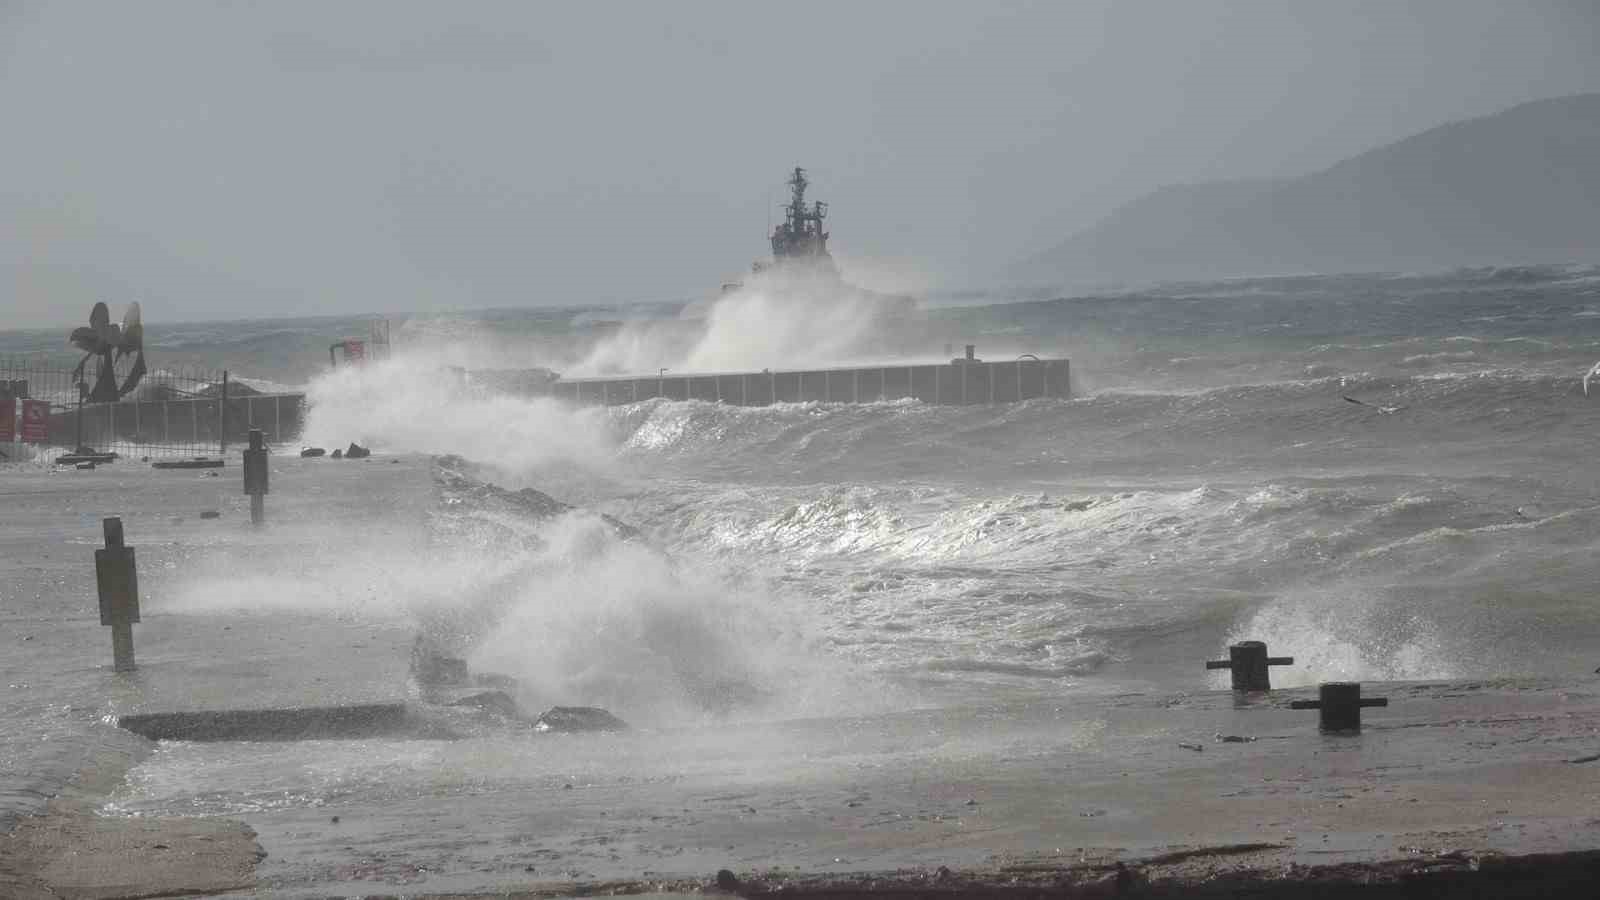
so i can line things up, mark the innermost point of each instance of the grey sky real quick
(223, 160)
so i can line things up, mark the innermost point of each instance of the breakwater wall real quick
(954, 383)
(177, 426)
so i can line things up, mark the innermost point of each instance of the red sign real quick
(35, 421)
(8, 416)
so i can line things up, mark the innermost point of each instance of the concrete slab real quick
(1452, 778)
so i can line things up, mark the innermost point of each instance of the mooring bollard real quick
(1249, 662)
(1340, 703)
(117, 576)
(255, 477)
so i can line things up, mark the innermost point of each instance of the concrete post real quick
(255, 477)
(117, 579)
(222, 417)
(1249, 662)
(1340, 704)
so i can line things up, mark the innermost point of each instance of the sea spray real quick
(611, 622)
(409, 404)
(779, 319)
(1351, 631)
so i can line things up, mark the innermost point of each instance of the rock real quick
(578, 718)
(356, 451)
(336, 454)
(497, 702)
(726, 880)
(211, 514)
(312, 452)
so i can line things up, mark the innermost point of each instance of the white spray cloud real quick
(779, 319)
(616, 624)
(410, 404)
(1349, 632)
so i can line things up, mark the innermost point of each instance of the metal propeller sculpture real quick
(111, 345)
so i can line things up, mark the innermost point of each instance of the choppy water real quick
(1209, 481)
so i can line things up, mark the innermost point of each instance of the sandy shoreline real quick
(1458, 786)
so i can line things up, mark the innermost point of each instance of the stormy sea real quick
(1386, 476)
(1395, 474)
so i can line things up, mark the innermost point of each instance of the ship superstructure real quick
(800, 238)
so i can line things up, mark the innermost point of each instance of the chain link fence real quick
(173, 412)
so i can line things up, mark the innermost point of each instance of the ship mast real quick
(801, 233)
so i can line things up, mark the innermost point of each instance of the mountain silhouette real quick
(1519, 186)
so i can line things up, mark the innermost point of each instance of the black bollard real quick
(255, 476)
(1340, 703)
(117, 577)
(1249, 662)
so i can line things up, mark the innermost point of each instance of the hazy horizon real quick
(225, 161)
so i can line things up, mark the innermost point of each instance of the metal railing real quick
(173, 412)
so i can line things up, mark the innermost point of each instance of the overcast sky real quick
(221, 160)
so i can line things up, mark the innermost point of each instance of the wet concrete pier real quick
(957, 382)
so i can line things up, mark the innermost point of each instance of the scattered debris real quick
(199, 462)
(84, 466)
(210, 514)
(312, 452)
(83, 455)
(1198, 748)
(1593, 757)
(1385, 410)
(1233, 739)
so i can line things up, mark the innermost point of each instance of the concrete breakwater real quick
(180, 424)
(958, 382)
(195, 424)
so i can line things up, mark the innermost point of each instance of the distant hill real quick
(1520, 186)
